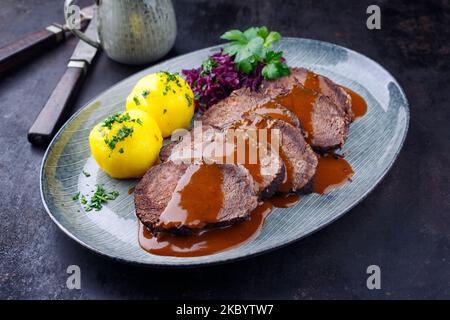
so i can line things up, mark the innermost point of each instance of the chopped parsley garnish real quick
(100, 197)
(170, 78)
(207, 65)
(145, 93)
(76, 196)
(121, 150)
(189, 99)
(139, 121)
(136, 100)
(123, 133)
(83, 199)
(164, 111)
(117, 117)
(86, 174)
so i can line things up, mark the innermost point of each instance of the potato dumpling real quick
(126, 145)
(167, 98)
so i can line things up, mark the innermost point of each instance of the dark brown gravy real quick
(359, 105)
(285, 201)
(271, 110)
(206, 241)
(301, 102)
(198, 198)
(252, 165)
(312, 82)
(332, 172)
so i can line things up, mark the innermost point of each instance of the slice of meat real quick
(233, 146)
(157, 189)
(185, 139)
(325, 86)
(245, 103)
(325, 124)
(299, 159)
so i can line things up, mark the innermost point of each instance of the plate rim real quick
(193, 264)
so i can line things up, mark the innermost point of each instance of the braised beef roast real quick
(156, 188)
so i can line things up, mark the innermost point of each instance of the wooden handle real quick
(51, 115)
(28, 46)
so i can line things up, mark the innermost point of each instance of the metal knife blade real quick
(84, 53)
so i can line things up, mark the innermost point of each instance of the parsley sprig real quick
(251, 47)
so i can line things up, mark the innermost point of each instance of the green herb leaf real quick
(207, 65)
(251, 47)
(253, 32)
(271, 38)
(274, 70)
(274, 56)
(234, 35)
(247, 65)
(99, 197)
(262, 32)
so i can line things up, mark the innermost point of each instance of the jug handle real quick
(75, 31)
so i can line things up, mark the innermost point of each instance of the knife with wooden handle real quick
(32, 44)
(60, 100)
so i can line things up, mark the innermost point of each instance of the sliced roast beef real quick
(325, 86)
(185, 139)
(162, 184)
(325, 124)
(299, 159)
(233, 146)
(245, 103)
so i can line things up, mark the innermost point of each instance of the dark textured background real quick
(403, 226)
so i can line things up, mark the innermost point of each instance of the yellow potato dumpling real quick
(126, 145)
(167, 98)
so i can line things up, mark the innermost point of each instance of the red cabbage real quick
(217, 78)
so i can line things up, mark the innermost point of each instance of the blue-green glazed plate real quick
(373, 144)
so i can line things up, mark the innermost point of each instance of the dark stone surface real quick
(403, 226)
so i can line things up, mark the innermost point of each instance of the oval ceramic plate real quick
(373, 144)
